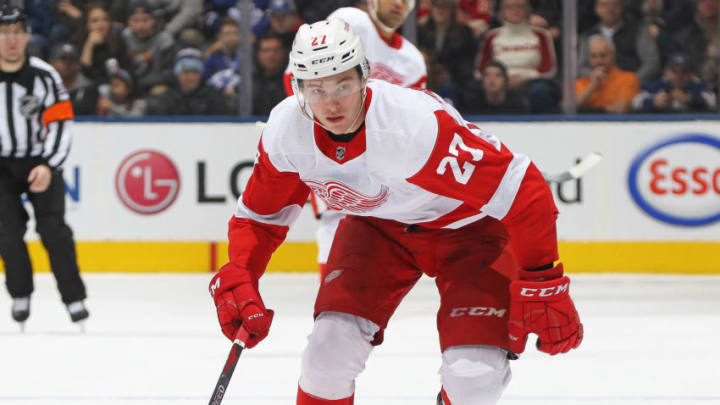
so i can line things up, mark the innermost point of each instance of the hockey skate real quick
(78, 313)
(21, 311)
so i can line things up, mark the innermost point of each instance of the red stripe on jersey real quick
(547, 53)
(531, 222)
(395, 42)
(287, 83)
(350, 150)
(488, 52)
(269, 190)
(422, 83)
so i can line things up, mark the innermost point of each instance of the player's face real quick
(335, 100)
(13, 40)
(392, 12)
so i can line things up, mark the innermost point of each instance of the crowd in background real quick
(181, 57)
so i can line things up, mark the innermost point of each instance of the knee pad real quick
(335, 355)
(474, 375)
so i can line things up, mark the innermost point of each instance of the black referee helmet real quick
(12, 15)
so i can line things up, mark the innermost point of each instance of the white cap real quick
(326, 48)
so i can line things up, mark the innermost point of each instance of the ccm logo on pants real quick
(478, 311)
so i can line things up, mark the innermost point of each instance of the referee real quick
(36, 119)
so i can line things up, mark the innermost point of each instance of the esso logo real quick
(147, 182)
(678, 180)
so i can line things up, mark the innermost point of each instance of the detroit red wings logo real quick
(383, 72)
(341, 197)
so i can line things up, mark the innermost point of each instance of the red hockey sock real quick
(307, 399)
(446, 400)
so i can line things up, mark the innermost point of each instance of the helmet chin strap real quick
(373, 15)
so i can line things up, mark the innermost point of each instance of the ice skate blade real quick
(81, 325)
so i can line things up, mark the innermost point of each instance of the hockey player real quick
(424, 192)
(392, 58)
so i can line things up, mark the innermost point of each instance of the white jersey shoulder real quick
(398, 62)
(287, 133)
(401, 127)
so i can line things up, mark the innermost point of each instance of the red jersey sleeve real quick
(270, 203)
(475, 168)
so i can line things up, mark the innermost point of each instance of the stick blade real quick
(585, 165)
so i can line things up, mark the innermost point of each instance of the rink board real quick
(156, 197)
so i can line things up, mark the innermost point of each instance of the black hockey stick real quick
(237, 347)
(577, 171)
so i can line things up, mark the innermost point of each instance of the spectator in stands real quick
(221, 65)
(607, 88)
(636, 50)
(39, 14)
(476, 14)
(701, 41)
(527, 52)
(189, 95)
(312, 10)
(451, 43)
(271, 59)
(547, 14)
(679, 91)
(100, 44)
(118, 98)
(492, 95)
(657, 26)
(66, 20)
(150, 52)
(284, 20)
(178, 15)
(83, 93)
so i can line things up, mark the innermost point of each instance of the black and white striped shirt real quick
(36, 115)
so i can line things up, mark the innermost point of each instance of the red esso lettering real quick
(657, 177)
(682, 180)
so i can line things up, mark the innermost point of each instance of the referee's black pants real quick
(55, 234)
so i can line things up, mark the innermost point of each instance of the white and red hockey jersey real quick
(397, 61)
(415, 160)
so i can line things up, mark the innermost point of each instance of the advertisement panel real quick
(657, 190)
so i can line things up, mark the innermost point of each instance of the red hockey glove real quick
(239, 305)
(540, 304)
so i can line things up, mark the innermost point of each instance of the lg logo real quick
(147, 182)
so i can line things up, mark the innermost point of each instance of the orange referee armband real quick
(58, 112)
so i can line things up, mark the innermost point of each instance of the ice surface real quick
(153, 339)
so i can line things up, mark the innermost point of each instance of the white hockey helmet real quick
(373, 8)
(326, 48)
